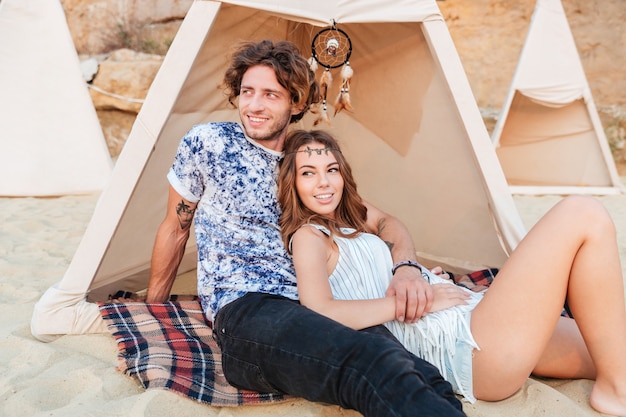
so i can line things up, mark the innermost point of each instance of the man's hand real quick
(414, 295)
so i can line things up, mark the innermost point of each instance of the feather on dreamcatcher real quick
(331, 48)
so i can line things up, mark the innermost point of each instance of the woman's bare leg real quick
(571, 251)
(566, 355)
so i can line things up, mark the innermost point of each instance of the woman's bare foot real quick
(607, 401)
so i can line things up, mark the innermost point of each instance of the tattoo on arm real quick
(381, 227)
(185, 214)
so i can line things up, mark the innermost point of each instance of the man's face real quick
(265, 107)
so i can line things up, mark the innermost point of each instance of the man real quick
(223, 176)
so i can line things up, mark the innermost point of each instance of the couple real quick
(223, 177)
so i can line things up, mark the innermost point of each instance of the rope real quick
(108, 93)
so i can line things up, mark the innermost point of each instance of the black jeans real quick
(273, 344)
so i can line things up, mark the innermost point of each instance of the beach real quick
(77, 376)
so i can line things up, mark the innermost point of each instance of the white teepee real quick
(416, 141)
(549, 138)
(51, 142)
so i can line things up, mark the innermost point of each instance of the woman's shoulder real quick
(308, 235)
(318, 228)
(311, 230)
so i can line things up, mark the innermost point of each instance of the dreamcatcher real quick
(331, 49)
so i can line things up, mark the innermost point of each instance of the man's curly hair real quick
(292, 72)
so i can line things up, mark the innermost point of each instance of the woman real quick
(516, 329)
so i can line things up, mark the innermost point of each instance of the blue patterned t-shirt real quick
(233, 179)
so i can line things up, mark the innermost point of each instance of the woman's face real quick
(319, 183)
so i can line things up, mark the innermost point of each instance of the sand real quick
(77, 376)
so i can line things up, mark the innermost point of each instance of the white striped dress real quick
(442, 338)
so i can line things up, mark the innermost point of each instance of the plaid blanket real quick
(171, 346)
(475, 281)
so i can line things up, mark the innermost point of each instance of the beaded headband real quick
(318, 151)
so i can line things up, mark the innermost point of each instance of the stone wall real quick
(100, 26)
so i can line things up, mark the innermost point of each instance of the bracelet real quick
(406, 263)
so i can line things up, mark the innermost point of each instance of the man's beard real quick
(276, 131)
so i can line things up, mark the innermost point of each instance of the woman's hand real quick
(441, 273)
(447, 295)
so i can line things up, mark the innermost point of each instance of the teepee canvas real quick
(415, 138)
(51, 142)
(549, 138)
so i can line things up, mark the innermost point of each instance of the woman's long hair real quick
(351, 212)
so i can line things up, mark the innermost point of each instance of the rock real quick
(116, 126)
(118, 90)
(99, 26)
(89, 68)
(123, 80)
